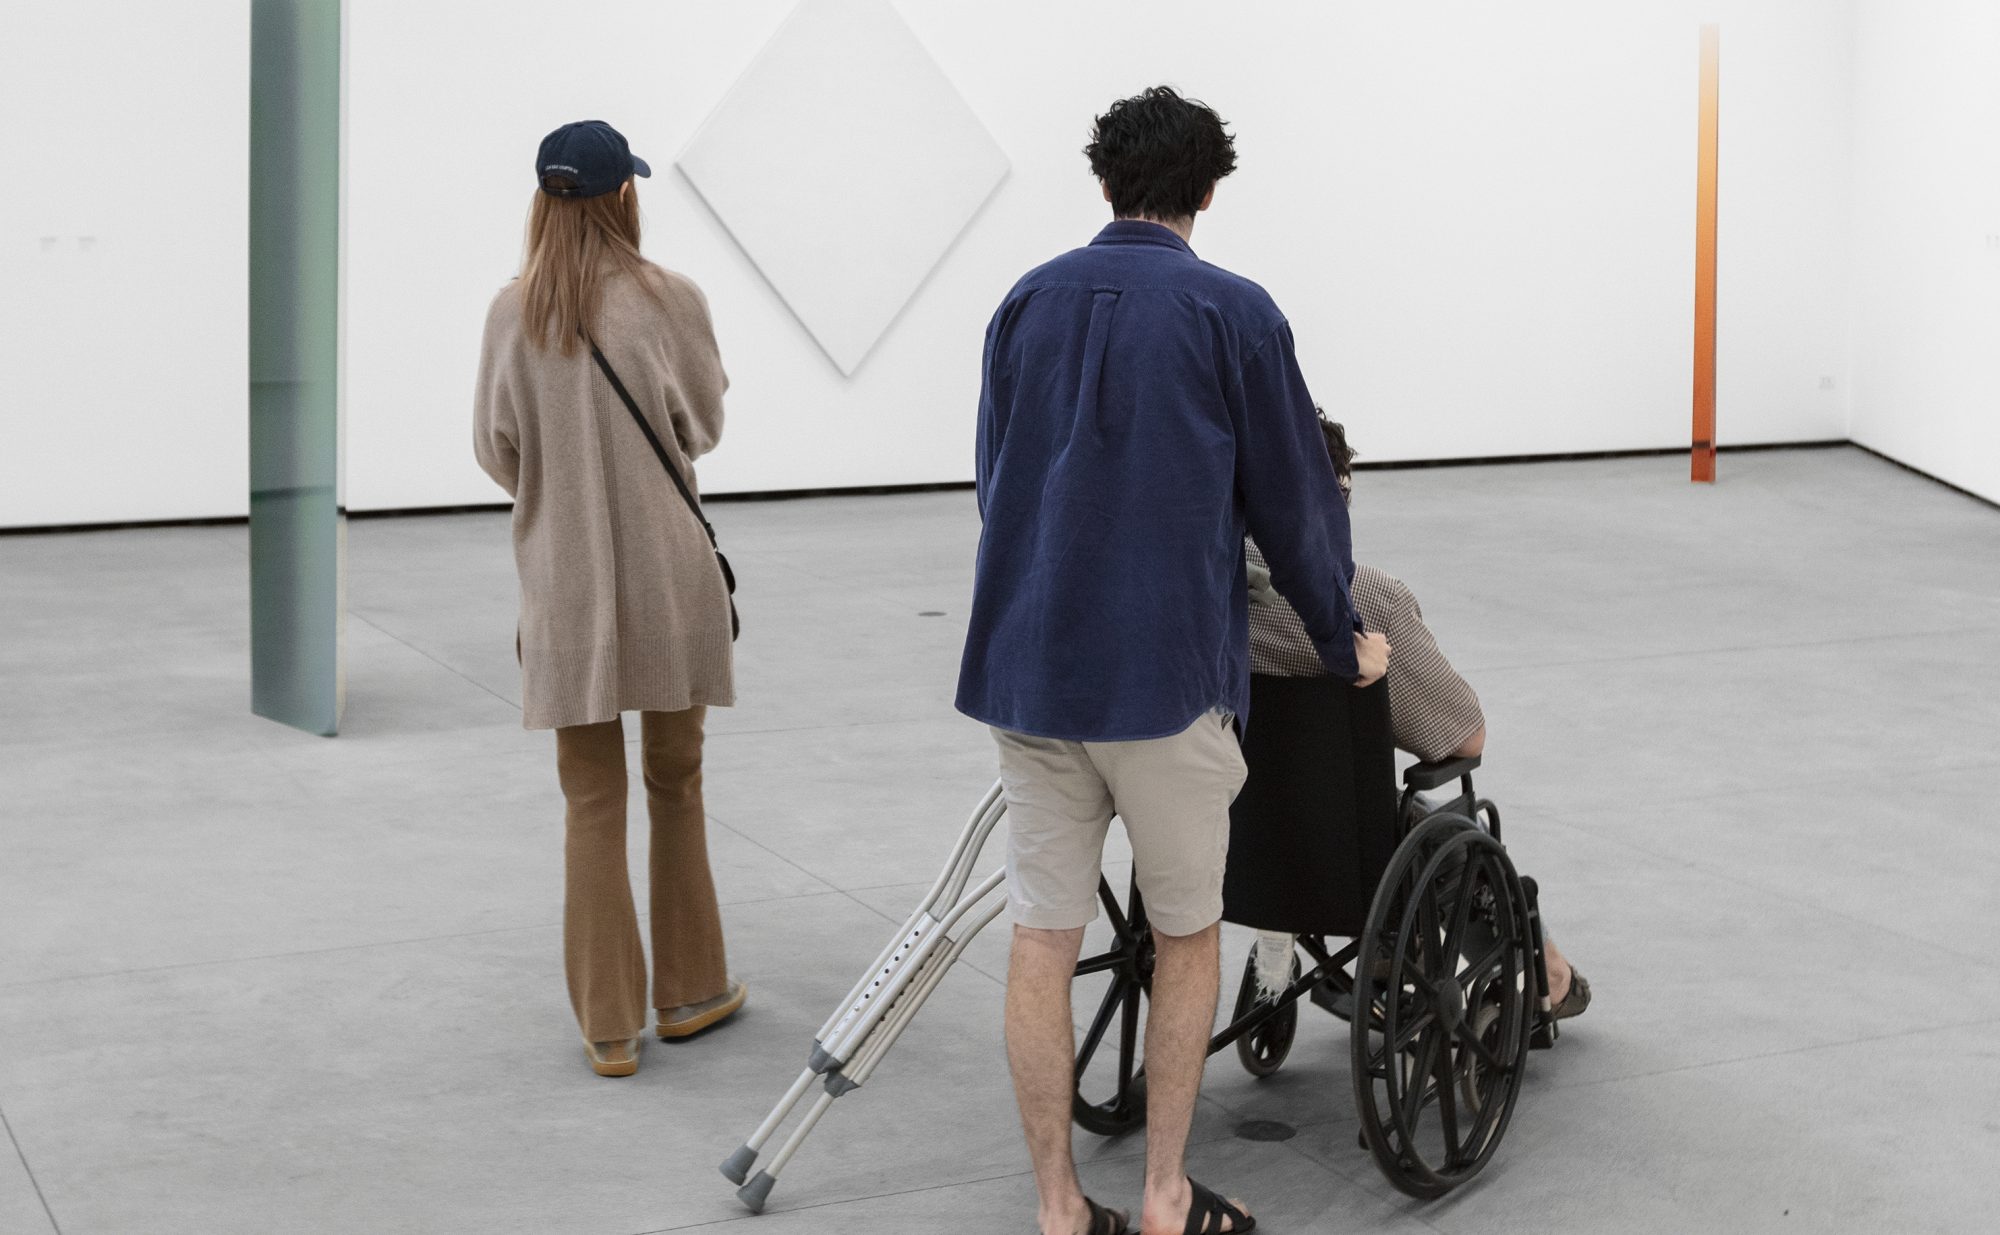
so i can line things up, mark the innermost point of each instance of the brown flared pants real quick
(602, 954)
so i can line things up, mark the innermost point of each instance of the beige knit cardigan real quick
(623, 607)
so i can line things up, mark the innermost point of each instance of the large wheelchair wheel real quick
(1115, 1105)
(1445, 971)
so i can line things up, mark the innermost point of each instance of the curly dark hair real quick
(1159, 154)
(1336, 446)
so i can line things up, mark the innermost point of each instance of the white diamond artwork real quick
(844, 163)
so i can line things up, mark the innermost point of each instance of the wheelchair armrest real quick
(1431, 775)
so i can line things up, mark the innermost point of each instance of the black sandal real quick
(1574, 1000)
(1207, 1211)
(1105, 1221)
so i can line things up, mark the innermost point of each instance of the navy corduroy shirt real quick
(1140, 410)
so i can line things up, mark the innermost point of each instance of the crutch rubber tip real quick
(757, 1191)
(838, 1084)
(736, 1167)
(819, 1060)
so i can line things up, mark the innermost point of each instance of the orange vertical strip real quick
(1702, 466)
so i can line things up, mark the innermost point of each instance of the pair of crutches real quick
(867, 1023)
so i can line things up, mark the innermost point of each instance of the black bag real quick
(667, 461)
(1314, 828)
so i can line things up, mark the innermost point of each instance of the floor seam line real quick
(1349, 1177)
(1836, 780)
(852, 1200)
(962, 960)
(1541, 666)
(274, 956)
(348, 947)
(1864, 1040)
(22, 1154)
(1137, 1154)
(1685, 864)
(852, 724)
(451, 669)
(748, 839)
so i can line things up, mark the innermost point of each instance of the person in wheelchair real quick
(1433, 711)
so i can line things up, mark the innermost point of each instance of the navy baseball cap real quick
(591, 156)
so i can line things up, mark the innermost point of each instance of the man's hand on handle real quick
(1372, 651)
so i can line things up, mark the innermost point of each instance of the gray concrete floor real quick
(1748, 739)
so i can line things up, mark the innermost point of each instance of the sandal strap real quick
(1105, 1221)
(1575, 999)
(1208, 1210)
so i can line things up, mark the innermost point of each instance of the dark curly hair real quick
(1336, 446)
(1159, 154)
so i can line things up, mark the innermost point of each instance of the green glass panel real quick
(297, 523)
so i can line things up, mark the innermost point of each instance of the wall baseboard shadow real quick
(1650, 452)
(787, 495)
(1961, 490)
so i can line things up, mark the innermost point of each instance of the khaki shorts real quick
(1173, 795)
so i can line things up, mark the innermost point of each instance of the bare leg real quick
(1179, 1019)
(1041, 1050)
(1473, 745)
(1559, 970)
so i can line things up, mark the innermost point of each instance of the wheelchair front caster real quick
(1262, 1050)
(1115, 1117)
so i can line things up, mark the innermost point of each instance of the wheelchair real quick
(1441, 975)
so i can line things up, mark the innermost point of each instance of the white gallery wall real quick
(1927, 237)
(124, 236)
(1479, 217)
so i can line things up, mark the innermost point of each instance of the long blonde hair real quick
(572, 241)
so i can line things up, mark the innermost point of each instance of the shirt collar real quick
(1139, 231)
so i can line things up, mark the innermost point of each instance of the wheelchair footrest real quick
(1334, 1000)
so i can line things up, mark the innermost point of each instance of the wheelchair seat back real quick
(1314, 828)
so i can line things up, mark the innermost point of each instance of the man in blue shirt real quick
(1140, 411)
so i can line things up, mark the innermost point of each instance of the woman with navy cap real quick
(599, 385)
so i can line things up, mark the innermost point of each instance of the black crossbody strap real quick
(638, 417)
